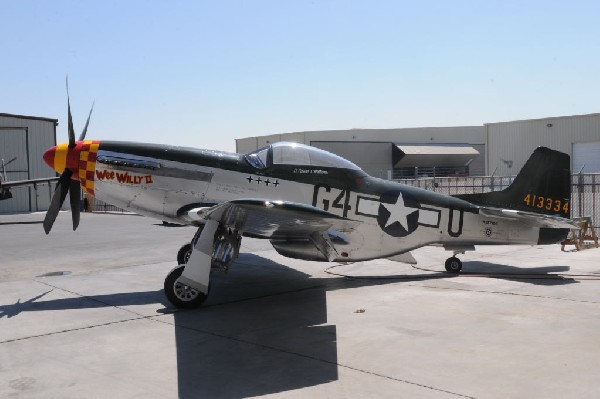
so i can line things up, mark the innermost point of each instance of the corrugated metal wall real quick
(373, 158)
(370, 148)
(507, 145)
(423, 135)
(586, 157)
(511, 143)
(27, 138)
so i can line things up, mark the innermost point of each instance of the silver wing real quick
(273, 219)
(295, 230)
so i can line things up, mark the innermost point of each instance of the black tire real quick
(453, 265)
(184, 254)
(181, 295)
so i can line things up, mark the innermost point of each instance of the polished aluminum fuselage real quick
(167, 183)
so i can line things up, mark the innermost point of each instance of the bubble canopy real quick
(286, 153)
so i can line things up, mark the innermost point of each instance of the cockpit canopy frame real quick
(295, 154)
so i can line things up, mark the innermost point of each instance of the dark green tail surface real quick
(542, 186)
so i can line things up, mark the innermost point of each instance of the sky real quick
(203, 73)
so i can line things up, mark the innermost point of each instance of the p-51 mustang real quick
(311, 204)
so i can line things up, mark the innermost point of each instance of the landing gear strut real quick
(183, 255)
(453, 265)
(214, 247)
(226, 250)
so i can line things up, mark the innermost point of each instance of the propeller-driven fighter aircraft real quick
(311, 204)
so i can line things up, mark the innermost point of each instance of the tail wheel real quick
(453, 265)
(181, 295)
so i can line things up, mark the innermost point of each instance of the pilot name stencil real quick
(124, 178)
(311, 171)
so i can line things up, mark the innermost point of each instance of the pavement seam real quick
(431, 277)
(73, 329)
(140, 316)
(507, 293)
(280, 350)
(91, 298)
(154, 318)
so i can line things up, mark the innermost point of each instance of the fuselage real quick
(167, 182)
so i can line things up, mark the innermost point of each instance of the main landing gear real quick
(453, 265)
(214, 247)
(180, 294)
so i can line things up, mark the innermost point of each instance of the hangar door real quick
(586, 156)
(13, 143)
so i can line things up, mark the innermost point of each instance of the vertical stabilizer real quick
(542, 186)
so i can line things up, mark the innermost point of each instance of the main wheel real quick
(453, 265)
(181, 295)
(184, 254)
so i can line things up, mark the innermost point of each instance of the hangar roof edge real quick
(358, 130)
(543, 119)
(36, 118)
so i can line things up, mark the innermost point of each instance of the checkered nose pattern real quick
(81, 160)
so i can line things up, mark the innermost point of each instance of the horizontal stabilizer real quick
(531, 219)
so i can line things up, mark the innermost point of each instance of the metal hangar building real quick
(399, 152)
(494, 148)
(26, 137)
(509, 144)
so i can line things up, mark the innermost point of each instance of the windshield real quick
(299, 154)
(259, 158)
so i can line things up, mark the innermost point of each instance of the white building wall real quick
(373, 158)
(503, 144)
(515, 141)
(423, 135)
(366, 148)
(586, 157)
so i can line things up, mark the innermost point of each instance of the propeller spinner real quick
(64, 158)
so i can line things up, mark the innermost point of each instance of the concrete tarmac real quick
(83, 315)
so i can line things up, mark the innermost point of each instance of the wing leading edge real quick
(273, 219)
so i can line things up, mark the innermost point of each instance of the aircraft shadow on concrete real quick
(544, 275)
(541, 275)
(276, 342)
(275, 339)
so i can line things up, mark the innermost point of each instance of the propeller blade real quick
(71, 130)
(60, 193)
(75, 198)
(82, 137)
